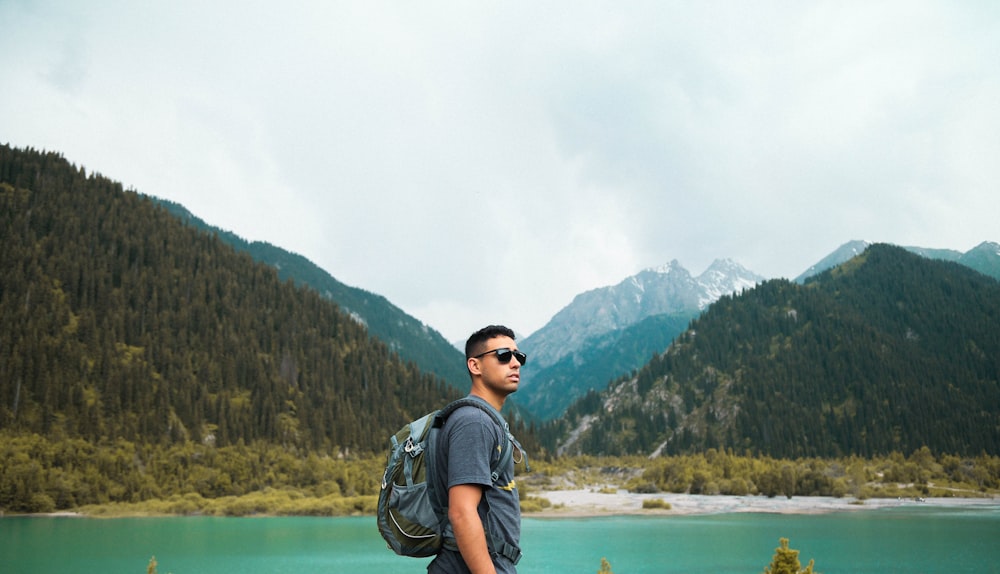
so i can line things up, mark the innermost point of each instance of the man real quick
(484, 515)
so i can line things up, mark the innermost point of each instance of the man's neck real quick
(495, 400)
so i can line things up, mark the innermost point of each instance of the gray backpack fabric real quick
(407, 519)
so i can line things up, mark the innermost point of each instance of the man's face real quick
(502, 378)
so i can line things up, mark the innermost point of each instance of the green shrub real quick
(41, 502)
(656, 503)
(535, 504)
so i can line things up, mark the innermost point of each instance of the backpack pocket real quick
(416, 529)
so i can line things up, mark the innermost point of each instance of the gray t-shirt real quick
(468, 444)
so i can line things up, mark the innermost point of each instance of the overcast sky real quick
(480, 162)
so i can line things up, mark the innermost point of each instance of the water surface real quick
(909, 539)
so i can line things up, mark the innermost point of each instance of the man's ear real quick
(473, 365)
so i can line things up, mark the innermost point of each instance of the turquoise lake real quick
(909, 539)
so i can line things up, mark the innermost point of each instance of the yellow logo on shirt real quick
(510, 486)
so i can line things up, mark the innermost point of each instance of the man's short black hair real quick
(476, 341)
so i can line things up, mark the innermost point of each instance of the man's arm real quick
(463, 504)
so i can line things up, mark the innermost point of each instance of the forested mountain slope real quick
(118, 321)
(403, 333)
(888, 352)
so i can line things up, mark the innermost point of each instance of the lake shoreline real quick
(583, 503)
(588, 503)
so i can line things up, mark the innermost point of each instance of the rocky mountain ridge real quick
(623, 324)
(668, 289)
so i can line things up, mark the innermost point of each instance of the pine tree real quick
(786, 561)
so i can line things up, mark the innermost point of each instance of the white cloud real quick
(480, 164)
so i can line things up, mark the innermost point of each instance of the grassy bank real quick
(265, 503)
(40, 475)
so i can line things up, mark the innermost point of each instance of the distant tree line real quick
(921, 474)
(715, 472)
(40, 474)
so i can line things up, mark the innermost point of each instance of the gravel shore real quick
(583, 503)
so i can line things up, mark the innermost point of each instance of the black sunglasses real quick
(504, 354)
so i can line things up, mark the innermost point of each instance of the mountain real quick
(412, 339)
(842, 254)
(887, 352)
(601, 359)
(984, 258)
(120, 322)
(607, 332)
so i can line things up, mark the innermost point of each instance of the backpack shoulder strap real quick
(507, 452)
(470, 401)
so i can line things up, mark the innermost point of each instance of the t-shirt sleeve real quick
(470, 447)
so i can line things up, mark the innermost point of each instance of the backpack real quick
(407, 517)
